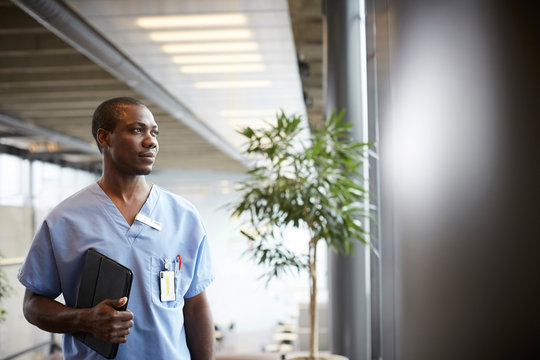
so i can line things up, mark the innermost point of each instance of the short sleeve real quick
(204, 272)
(39, 272)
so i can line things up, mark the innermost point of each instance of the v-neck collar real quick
(115, 214)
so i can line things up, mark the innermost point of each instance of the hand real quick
(108, 324)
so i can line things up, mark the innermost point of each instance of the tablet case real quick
(102, 278)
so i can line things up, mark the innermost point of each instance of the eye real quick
(155, 132)
(137, 130)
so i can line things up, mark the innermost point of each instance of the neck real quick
(125, 188)
(128, 194)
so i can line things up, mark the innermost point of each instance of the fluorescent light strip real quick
(228, 68)
(202, 35)
(232, 84)
(247, 112)
(181, 21)
(217, 59)
(211, 47)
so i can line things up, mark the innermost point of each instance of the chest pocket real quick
(156, 266)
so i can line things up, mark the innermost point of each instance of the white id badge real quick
(166, 282)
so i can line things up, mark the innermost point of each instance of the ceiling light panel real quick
(191, 21)
(270, 50)
(232, 84)
(230, 47)
(217, 58)
(222, 69)
(202, 35)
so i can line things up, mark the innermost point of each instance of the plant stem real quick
(314, 328)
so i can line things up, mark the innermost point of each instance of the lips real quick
(149, 154)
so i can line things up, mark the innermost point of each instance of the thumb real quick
(116, 303)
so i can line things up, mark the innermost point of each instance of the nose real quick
(150, 140)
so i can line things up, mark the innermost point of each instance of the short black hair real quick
(107, 113)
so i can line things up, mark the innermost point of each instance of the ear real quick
(103, 137)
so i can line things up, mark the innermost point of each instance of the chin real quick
(143, 171)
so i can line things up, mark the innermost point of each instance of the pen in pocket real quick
(177, 263)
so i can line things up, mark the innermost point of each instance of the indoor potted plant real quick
(311, 182)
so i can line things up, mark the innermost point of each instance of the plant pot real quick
(319, 356)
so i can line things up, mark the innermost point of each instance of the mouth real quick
(148, 155)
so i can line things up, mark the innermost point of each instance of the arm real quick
(199, 328)
(102, 320)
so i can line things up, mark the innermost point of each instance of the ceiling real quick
(59, 60)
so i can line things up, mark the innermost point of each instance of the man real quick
(141, 226)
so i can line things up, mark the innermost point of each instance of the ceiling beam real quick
(32, 130)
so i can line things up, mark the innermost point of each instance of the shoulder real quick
(175, 200)
(79, 201)
(178, 210)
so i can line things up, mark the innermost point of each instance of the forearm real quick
(103, 320)
(199, 328)
(50, 315)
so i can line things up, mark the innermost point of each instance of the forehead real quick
(135, 113)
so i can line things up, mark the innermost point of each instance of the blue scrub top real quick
(89, 219)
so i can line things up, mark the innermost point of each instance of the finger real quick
(121, 332)
(120, 335)
(124, 325)
(124, 332)
(118, 339)
(124, 315)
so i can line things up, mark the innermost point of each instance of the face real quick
(132, 146)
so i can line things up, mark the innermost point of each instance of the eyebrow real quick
(140, 123)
